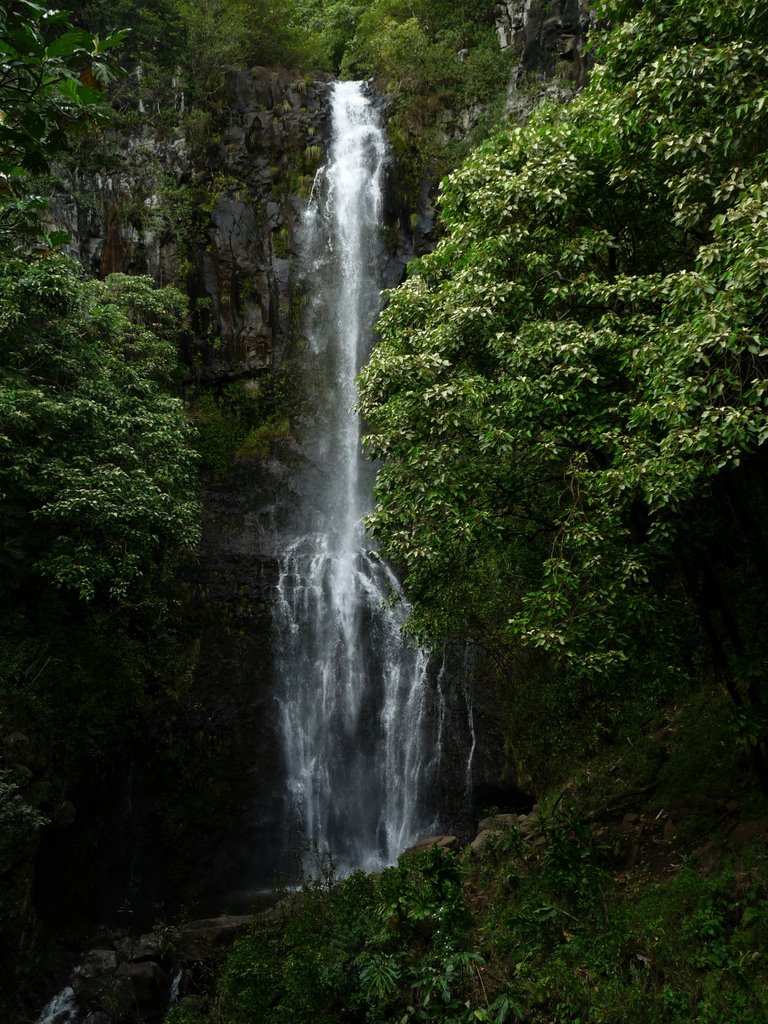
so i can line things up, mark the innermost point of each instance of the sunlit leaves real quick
(585, 350)
(94, 448)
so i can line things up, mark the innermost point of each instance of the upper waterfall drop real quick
(360, 761)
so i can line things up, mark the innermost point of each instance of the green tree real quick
(156, 30)
(51, 79)
(334, 21)
(96, 468)
(435, 61)
(224, 35)
(571, 388)
(98, 496)
(97, 507)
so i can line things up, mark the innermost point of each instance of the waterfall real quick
(62, 1009)
(352, 693)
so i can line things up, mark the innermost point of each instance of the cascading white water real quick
(352, 693)
(62, 1009)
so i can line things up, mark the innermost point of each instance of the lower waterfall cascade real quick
(63, 1008)
(361, 758)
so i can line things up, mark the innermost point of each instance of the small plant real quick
(313, 156)
(379, 975)
(572, 861)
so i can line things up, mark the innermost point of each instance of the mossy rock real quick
(257, 444)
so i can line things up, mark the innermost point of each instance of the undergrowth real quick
(582, 913)
(239, 421)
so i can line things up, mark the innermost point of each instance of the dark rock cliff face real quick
(233, 588)
(216, 209)
(549, 38)
(211, 207)
(544, 32)
(269, 151)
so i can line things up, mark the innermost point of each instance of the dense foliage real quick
(577, 912)
(97, 506)
(98, 499)
(209, 38)
(96, 468)
(51, 78)
(569, 393)
(439, 63)
(395, 947)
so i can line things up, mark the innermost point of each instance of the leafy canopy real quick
(562, 387)
(96, 472)
(51, 79)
